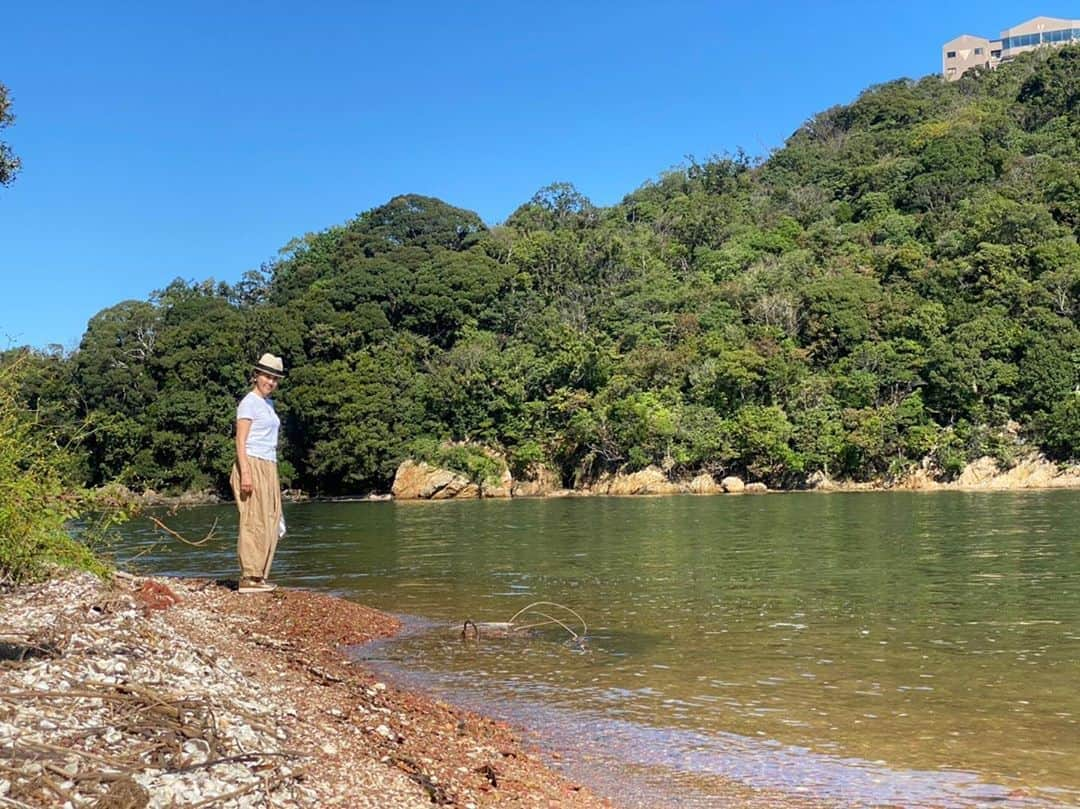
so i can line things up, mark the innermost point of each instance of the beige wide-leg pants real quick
(260, 513)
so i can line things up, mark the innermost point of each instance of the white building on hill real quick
(968, 51)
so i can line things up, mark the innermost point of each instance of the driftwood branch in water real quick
(506, 628)
(185, 540)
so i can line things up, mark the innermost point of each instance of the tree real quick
(1060, 429)
(555, 206)
(414, 220)
(1053, 88)
(9, 163)
(354, 417)
(761, 439)
(113, 361)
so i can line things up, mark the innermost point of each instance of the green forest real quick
(898, 283)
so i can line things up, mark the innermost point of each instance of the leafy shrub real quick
(470, 460)
(525, 455)
(38, 500)
(1060, 429)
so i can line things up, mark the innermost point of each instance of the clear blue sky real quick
(195, 139)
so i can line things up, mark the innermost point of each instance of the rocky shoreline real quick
(421, 481)
(417, 480)
(148, 692)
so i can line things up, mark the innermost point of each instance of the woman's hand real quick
(245, 482)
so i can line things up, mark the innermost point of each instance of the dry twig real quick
(175, 535)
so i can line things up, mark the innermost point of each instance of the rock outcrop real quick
(650, 480)
(421, 481)
(1032, 472)
(732, 485)
(539, 481)
(703, 484)
(502, 488)
(820, 481)
(417, 480)
(979, 473)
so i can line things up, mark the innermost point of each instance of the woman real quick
(255, 478)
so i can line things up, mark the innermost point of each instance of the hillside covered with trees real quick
(899, 281)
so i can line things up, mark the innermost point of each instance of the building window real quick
(950, 55)
(1064, 35)
(995, 54)
(952, 71)
(978, 51)
(1021, 41)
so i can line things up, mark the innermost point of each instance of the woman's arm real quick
(243, 427)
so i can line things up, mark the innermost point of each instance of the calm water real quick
(858, 649)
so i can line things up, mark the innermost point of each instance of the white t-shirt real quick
(262, 438)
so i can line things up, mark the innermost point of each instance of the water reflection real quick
(914, 642)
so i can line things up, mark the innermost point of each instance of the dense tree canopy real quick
(900, 282)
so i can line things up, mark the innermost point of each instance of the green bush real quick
(524, 455)
(470, 460)
(1060, 429)
(38, 501)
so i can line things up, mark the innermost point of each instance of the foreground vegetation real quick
(899, 282)
(40, 494)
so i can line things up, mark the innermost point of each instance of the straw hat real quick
(269, 364)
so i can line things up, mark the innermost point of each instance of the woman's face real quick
(265, 384)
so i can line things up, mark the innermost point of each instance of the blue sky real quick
(194, 140)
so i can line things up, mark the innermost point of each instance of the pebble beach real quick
(152, 692)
